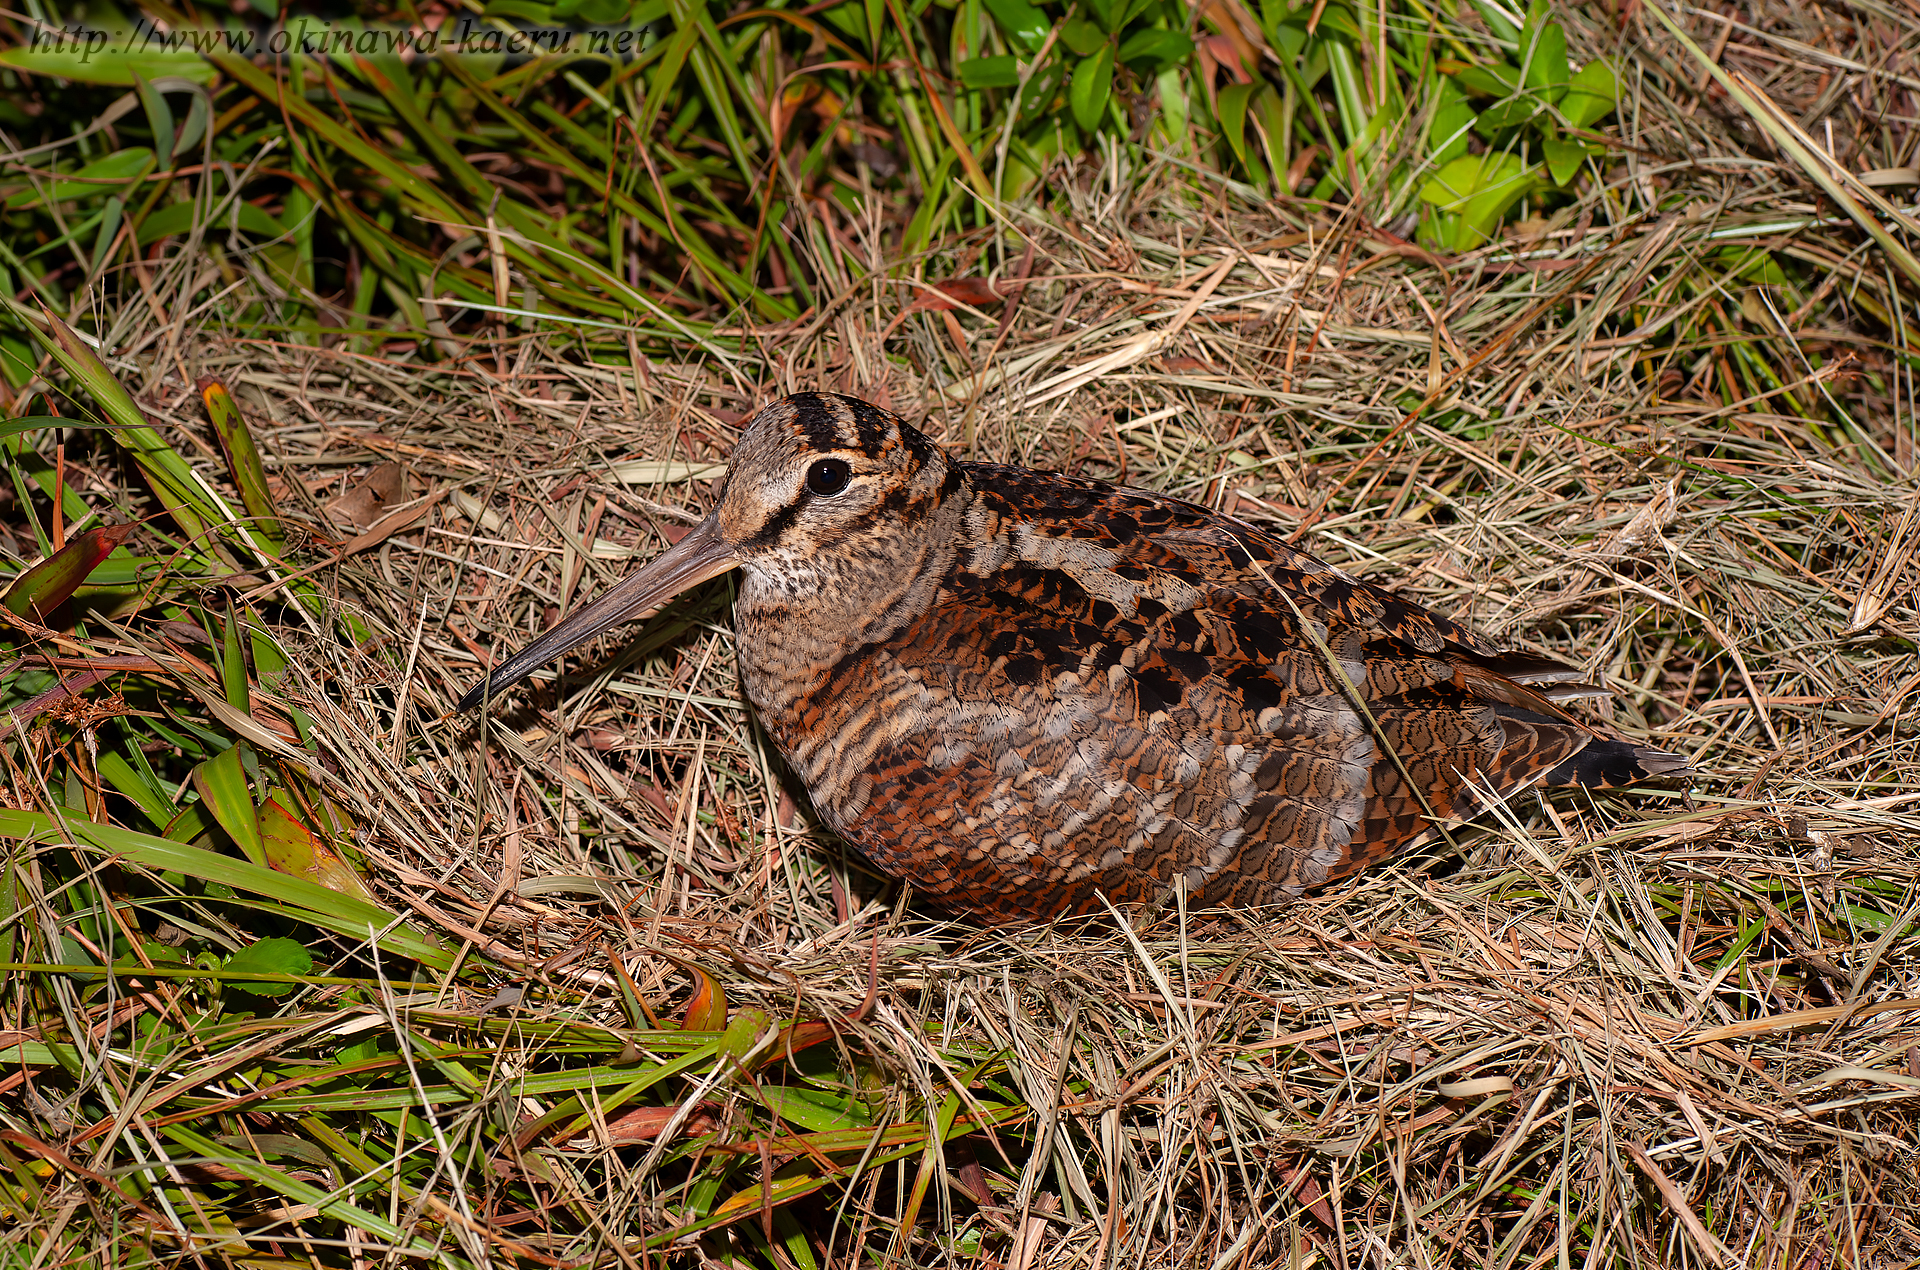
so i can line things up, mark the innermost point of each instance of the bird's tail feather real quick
(1607, 762)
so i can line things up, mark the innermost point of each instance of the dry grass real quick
(1637, 1030)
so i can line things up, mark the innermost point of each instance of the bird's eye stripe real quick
(776, 525)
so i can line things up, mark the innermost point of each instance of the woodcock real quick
(1021, 691)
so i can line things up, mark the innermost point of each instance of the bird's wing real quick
(1122, 691)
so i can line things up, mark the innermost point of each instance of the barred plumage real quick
(1020, 690)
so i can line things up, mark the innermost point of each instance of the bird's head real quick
(819, 494)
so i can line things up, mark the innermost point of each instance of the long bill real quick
(702, 554)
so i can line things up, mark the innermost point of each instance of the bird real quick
(1031, 694)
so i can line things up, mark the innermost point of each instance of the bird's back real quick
(1110, 690)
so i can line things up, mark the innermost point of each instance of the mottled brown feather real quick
(1021, 691)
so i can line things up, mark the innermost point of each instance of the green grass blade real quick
(304, 900)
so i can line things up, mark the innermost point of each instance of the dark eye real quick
(828, 477)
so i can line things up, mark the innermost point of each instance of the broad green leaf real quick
(46, 586)
(269, 670)
(1268, 113)
(1869, 918)
(1453, 119)
(812, 1109)
(74, 953)
(1547, 72)
(297, 898)
(102, 176)
(1285, 30)
(1498, 79)
(1090, 88)
(243, 463)
(1591, 95)
(1349, 94)
(179, 218)
(1155, 48)
(16, 363)
(1471, 194)
(1459, 182)
(233, 664)
(990, 72)
(152, 802)
(1233, 101)
(159, 118)
(1019, 21)
(793, 1237)
(109, 233)
(188, 823)
(1752, 264)
(273, 956)
(1502, 115)
(199, 115)
(1563, 159)
(1104, 12)
(1082, 37)
(222, 783)
(110, 61)
(744, 1032)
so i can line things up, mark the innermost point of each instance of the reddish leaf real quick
(68, 689)
(643, 1124)
(361, 507)
(707, 1012)
(794, 1038)
(292, 848)
(951, 293)
(1308, 1192)
(52, 582)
